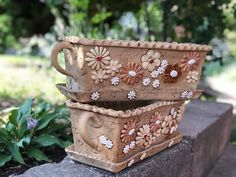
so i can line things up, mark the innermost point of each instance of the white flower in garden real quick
(95, 96)
(146, 81)
(131, 95)
(156, 83)
(115, 80)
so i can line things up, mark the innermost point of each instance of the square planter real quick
(114, 139)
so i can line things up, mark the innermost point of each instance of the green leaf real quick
(15, 152)
(37, 154)
(49, 140)
(13, 117)
(4, 158)
(25, 139)
(24, 110)
(45, 120)
(99, 17)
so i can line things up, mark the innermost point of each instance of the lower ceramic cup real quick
(116, 138)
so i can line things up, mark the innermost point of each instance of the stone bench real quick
(206, 127)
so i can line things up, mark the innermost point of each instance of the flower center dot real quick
(132, 73)
(98, 58)
(191, 61)
(158, 122)
(131, 132)
(145, 137)
(151, 61)
(113, 68)
(173, 73)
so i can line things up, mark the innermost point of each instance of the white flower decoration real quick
(131, 94)
(160, 69)
(146, 81)
(98, 58)
(95, 96)
(131, 162)
(113, 68)
(115, 80)
(143, 156)
(156, 83)
(186, 94)
(104, 141)
(109, 144)
(126, 149)
(173, 113)
(132, 144)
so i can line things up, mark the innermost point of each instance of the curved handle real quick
(57, 48)
(82, 128)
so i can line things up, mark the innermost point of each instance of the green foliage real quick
(21, 139)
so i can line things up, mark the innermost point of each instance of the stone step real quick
(206, 127)
(226, 165)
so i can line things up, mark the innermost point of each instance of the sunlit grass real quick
(23, 77)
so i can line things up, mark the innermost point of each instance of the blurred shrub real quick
(30, 128)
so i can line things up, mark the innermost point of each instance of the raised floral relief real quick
(132, 73)
(151, 60)
(146, 81)
(115, 80)
(144, 136)
(159, 70)
(114, 67)
(95, 96)
(192, 77)
(155, 122)
(128, 134)
(98, 58)
(190, 61)
(172, 73)
(99, 76)
(131, 94)
(186, 94)
(104, 141)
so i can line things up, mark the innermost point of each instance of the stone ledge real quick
(193, 157)
(225, 167)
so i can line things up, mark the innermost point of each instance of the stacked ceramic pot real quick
(126, 98)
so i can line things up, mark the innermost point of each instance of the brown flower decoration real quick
(190, 61)
(172, 73)
(128, 134)
(132, 73)
(155, 121)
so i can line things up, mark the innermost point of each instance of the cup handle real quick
(83, 131)
(54, 57)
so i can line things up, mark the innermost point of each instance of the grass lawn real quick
(24, 77)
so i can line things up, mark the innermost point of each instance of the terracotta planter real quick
(111, 70)
(114, 139)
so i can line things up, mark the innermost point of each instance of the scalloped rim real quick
(137, 44)
(127, 113)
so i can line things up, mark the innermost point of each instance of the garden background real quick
(29, 29)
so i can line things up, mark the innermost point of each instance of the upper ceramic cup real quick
(116, 70)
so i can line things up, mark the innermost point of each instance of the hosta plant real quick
(29, 129)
